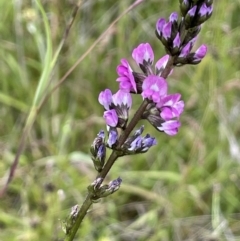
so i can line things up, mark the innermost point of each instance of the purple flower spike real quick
(170, 127)
(167, 29)
(200, 53)
(177, 41)
(173, 17)
(122, 98)
(159, 25)
(105, 98)
(161, 64)
(154, 88)
(143, 53)
(111, 118)
(126, 78)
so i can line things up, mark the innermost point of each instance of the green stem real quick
(80, 216)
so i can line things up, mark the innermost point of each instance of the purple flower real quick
(126, 77)
(139, 144)
(186, 50)
(177, 41)
(159, 25)
(136, 144)
(200, 53)
(101, 153)
(154, 88)
(112, 138)
(122, 98)
(147, 142)
(98, 151)
(105, 98)
(117, 107)
(173, 17)
(161, 64)
(167, 30)
(192, 11)
(98, 141)
(111, 117)
(203, 10)
(170, 127)
(143, 53)
(170, 106)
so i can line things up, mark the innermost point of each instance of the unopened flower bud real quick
(184, 7)
(204, 13)
(112, 137)
(98, 151)
(138, 144)
(112, 187)
(189, 18)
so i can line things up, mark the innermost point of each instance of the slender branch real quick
(80, 216)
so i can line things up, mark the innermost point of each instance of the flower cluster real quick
(161, 109)
(179, 35)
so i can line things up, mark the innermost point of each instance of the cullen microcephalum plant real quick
(160, 108)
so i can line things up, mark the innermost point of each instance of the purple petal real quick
(170, 106)
(154, 88)
(159, 25)
(167, 29)
(111, 118)
(170, 127)
(136, 144)
(112, 138)
(192, 11)
(105, 98)
(186, 50)
(173, 17)
(167, 113)
(126, 78)
(169, 100)
(101, 134)
(209, 10)
(177, 41)
(143, 53)
(203, 10)
(200, 52)
(148, 142)
(122, 98)
(161, 64)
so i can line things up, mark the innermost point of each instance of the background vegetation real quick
(185, 188)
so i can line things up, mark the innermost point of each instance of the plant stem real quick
(113, 157)
(80, 216)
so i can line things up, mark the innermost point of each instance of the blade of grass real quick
(41, 88)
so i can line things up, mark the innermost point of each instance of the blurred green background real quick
(185, 188)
